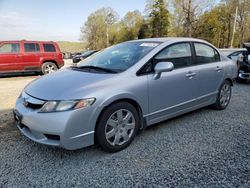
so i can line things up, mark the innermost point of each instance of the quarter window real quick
(49, 48)
(31, 47)
(205, 54)
(10, 48)
(179, 54)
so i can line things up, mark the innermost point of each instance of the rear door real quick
(9, 55)
(31, 56)
(49, 51)
(209, 71)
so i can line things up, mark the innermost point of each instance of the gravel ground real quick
(205, 148)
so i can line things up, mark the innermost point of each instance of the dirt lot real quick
(205, 148)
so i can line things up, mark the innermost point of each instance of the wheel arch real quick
(230, 81)
(52, 61)
(130, 101)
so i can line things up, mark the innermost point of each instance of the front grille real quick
(33, 106)
(32, 102)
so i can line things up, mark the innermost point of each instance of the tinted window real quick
(49, 48)
(10, 48)
(205, 53)
(31, 47)
(179, 54)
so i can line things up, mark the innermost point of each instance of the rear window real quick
(205, 53)
(49, 48)
(10, 48)
(31, 47)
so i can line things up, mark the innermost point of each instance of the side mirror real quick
(162, 67)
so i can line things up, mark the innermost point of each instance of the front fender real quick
(123, 95)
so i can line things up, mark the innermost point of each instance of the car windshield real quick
(120, 57)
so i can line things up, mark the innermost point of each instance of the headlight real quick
(60, 106)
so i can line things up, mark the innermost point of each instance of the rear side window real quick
(205, 54)
(10, 48)
(179, 54)
(49, 48)
(31, 47)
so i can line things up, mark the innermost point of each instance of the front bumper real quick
(70, 129)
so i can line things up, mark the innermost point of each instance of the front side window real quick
(49, 48)
(179, 54)
(205, 53)
(31, 47)
(119, 57)
(10, 48)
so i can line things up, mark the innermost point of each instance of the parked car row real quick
(78, 56)
(108, 98)
(84, 55)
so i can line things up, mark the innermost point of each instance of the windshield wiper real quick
(96, 68)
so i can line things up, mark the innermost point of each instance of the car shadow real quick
(9, 75)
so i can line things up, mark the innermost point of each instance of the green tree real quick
(145, 30)
(97, 29)
(211, 26)
(130, 26)
(158, 16)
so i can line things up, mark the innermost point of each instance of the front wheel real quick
(224, 96)
(117, 127)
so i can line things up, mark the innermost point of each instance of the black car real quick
(244, 64)
(235, 55)
(83, 55)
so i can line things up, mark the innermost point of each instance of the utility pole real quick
(234, 29)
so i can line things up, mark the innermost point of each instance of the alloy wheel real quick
(50, 68)
(225, 95)
(120, 127)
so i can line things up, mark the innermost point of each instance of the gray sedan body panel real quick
(174, 93)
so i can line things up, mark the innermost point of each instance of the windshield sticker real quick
(149, 44)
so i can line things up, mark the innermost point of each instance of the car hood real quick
(67, 84)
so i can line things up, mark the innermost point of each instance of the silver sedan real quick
(107, 98)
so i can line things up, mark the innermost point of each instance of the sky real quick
(57, 20)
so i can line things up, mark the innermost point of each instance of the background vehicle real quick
(30, 56)
(83, 55)
(235, 55)
(244, 64)
(231, 51)
(124, 88)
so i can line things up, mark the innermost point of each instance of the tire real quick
(224, 96)
(115, 132)
(49, 67)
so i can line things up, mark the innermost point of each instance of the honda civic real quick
(107, 98)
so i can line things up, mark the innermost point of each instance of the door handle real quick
(218, 69)
(190, 74)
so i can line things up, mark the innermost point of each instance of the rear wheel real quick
(49, 67)
(117, 127)
(224, 96)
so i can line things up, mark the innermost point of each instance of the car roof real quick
(13, 41)
(169, 39)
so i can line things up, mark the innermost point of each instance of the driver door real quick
(174, 91)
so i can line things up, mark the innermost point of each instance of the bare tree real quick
(187, 12)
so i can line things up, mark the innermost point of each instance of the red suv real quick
(30, 56)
